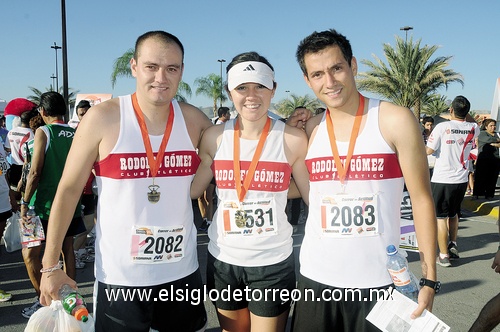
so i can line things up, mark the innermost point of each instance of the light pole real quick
(287, 92)
(53, 77)
(405, 29)
(221, 80)
(55, 47)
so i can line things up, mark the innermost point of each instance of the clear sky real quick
(98, 32)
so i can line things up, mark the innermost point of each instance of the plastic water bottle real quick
(403, 279)
(31, 212)
(73, 303)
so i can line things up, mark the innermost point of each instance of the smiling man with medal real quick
(143, 149)
(359, 150)
(252, 158)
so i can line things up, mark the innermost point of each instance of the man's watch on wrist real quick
(23, 202)
(436, 285)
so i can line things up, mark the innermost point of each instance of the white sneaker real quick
(28, 311)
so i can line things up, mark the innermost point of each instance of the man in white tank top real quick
(143, 148)
(354, 211)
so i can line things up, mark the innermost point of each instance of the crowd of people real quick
(345, 162)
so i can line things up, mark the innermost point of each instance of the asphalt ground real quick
(466, 286)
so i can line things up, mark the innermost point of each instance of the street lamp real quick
(55, 47)
(53, 77)
(405, 29)
(287, 92)
(221, 61)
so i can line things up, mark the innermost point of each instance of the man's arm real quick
(295, 151)
(37, 162)
(208, 146)
(409, 146)
(82, 155)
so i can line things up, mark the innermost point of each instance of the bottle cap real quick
(391, 250)
(82, 314)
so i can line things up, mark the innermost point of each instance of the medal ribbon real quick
(241, 190)
(154, 164)
(342, 171)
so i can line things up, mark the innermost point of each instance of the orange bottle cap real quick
(82, 314)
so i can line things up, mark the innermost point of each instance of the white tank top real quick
(352, 261)
(123, 179)
(254, 245)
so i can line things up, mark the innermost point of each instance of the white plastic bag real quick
(11, 236)
(55, 319)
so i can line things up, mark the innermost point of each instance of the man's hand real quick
(51, 283)
(425, 301)
(299, 118)
(24, 210)
(496, 262)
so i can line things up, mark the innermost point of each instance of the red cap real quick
(18, 106)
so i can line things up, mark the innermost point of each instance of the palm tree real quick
(35, 98)
(211, 86)
(121, 67)
(286, 106)
(435, 104)
(410, 75)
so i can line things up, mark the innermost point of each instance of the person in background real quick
(50, 151)
(355, 131)
(488, 162)
(17, 137)
(206, 201)
(251, 246)
(223, 115)
(143, 150)
(89, 202)
(428, 124)
(451, 142)
(8, 203)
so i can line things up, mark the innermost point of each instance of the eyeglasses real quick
(39, 109)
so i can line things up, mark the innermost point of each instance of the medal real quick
(240, 217)
(154, 163)
(154, 194)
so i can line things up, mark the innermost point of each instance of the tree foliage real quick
(286, 107)
(211, 86)
(35, 97)
(410, 74)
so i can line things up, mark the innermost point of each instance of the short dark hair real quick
(53, 103)
(163, 36)
(461, 106)
(26, 116)
(83, 104)
(318, 41)
(223, 110)
(428, 119)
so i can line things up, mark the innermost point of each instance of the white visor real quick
(250, 72)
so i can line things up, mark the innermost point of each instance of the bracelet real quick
(58, 266)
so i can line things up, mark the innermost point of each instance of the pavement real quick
(466, 286)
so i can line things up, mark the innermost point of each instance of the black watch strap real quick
(436, 285)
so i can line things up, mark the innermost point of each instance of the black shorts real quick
(76, 227)
(14, 175)
(345, 314)
(5, 215)
(119, 314)
(448, 198)
(89, 202)
(256, 288)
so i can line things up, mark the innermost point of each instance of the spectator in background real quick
(428, 123)
(224, 115)
(17, 137)
(82, 108)
(50, 150)
(452, 142)
(487, 163)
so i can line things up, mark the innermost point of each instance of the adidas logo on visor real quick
(249, 67)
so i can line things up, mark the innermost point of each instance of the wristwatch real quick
(436, 285)
(23, 202)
